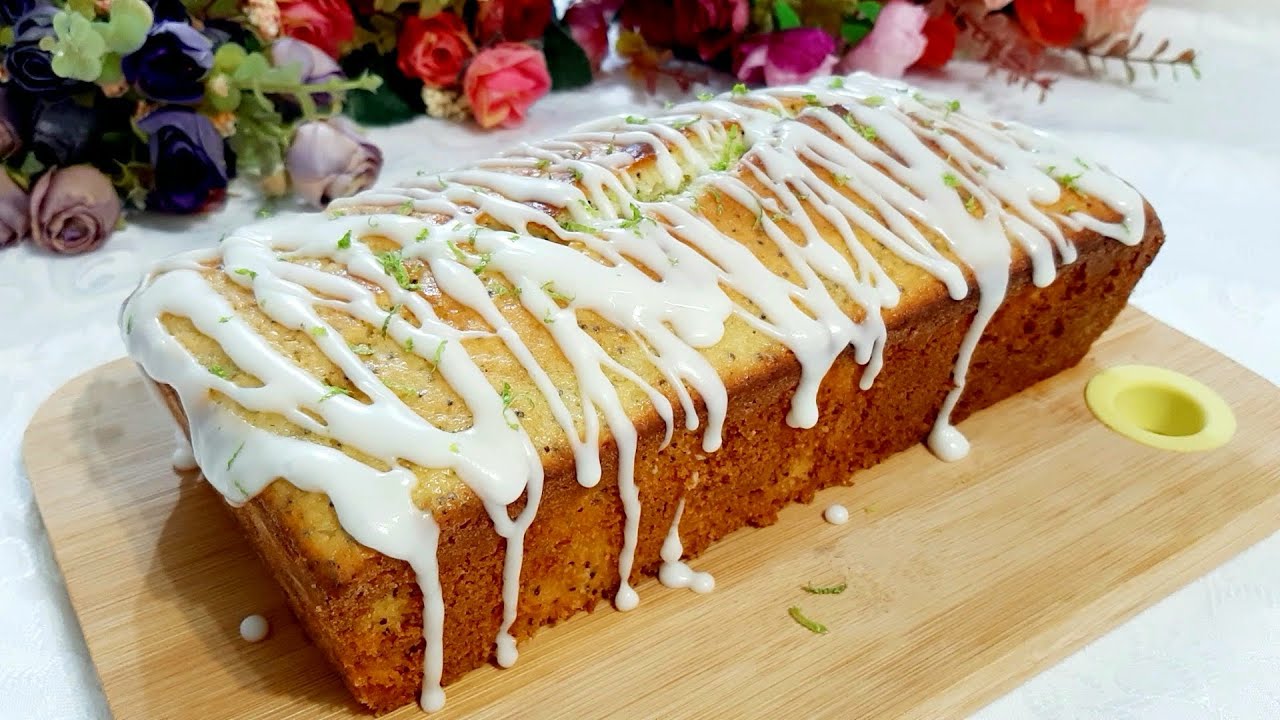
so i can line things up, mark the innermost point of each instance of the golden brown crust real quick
(364, 609)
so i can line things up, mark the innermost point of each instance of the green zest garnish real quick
(435, 357)
(393, 265)
(950, 180)
(319, 331)
(842, 179)
(453, 447)
(246, 271)
(542, 164)
(457, 251)
(485, 259)
(408, 345)
(865, 131)
(234, 455)
(706, 95)
(405, 208)
(952, 106)
(636, 120)
(128, 325)
(331, 390)
(362, 349)
(812, 99)
(673, 261)
(1082, 163)
(508, 397)
(497, 288)
(423, 234)
(344, 242)
(390, 314)
(547, 317)
(220, 371)
(682, 124)
(572, 226)
(576, 173)
(825, 589)
(735, 148)
(836, 82)
(550, 289)
(971, 204)
(1068, 180)
(223, 319)
(811, 625)
(634, 221)
(873, 101)
(739, 89)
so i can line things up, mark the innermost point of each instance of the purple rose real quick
(14, 220)
(11, 10)
(73, 209)
(30, 67)
(171, 65)
(785, 57)
(330, 159)
(314, 64)
(10, 117)
(189, 159)
(62, 132)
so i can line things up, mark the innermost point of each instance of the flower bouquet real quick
(158, 104)
(457, 59)
(786, 41)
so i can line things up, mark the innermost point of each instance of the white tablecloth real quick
(1207, 155)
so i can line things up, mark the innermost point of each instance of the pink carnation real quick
(786, 56)
(894, 43)
(503, 81)
(1103, 18)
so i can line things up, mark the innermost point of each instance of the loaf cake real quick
(451, 412)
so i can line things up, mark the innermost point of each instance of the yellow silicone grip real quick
(1160, 408)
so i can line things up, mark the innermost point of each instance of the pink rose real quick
(588, 23)
(434, 50)
(503, 81)
(1104, 18)
(785, 57)
(327, 24)
(895, 42)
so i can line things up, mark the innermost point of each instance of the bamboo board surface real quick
(964, 579)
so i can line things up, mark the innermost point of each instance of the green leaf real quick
(566, 61)
(261, 136)
(854, 30)
(126, 29)
(253, 67)
(111, 72)
(78, 50)
(786, 15)
(869, 9)
(82, 7)
(379, 107)
(228, 57)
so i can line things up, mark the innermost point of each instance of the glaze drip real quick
(532, 250)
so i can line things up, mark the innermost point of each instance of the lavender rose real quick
(315, 65)
(172, 64)
(14, 220)
(189, 158)
(330, 159)
(73, 209)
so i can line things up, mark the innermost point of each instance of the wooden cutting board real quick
(963, 579)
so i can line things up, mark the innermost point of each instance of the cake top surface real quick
(440, 335)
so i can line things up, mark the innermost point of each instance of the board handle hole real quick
(1161, 408)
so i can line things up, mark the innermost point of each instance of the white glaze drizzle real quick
(254, 628)
(183, 457)
(674, 572)
(871, 135)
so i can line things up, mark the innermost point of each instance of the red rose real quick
(511, 20)
(503, 81)
(711, 26)
(435, 49)
(651, 19)
(1051, 22)
(327, 24)
(940, 41)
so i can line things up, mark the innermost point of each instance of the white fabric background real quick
(1207, 155)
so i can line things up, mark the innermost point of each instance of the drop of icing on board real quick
(254, 628)
(656, 268)
(836, 514)
(674, 572)
(183, 457)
